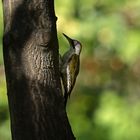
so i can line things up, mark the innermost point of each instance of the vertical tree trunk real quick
(35, 98)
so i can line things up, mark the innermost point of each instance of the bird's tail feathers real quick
(65, 98)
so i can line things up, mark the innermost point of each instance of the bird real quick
(70, 66)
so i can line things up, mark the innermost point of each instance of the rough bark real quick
(30, 50)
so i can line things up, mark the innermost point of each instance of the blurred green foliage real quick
(105, 101)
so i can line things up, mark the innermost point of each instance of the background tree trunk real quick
(32, 71)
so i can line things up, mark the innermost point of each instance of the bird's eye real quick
(75, 42)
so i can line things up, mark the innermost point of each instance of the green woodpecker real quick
(70, 66)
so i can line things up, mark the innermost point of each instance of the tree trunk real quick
(31, 61)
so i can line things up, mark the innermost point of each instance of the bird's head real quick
(74, 44)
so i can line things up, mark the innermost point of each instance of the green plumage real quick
(70, 70)
(70, 63)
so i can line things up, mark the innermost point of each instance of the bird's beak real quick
(69, 39)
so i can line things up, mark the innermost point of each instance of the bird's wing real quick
(64, 69)
(72, 72)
